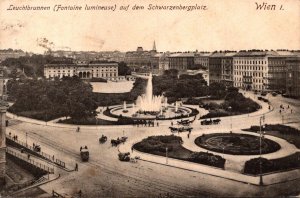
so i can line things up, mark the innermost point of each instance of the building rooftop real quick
(255, 53)
(183, 55)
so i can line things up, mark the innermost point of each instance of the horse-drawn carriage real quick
(84, 154)
(125, 157)
(102, 139)
(210, 121)
(37, 148)
(118, 141)
(184, 122)
(180, 129)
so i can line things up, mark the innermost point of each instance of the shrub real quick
(207, 158)
(157, 145)
(281, 164)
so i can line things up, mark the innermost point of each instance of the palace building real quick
(83, 69)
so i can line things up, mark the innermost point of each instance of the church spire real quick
(154, 46)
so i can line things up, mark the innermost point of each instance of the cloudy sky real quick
(227, 24)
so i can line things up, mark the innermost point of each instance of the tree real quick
(123, 69)
(67, 97)
(217, 90)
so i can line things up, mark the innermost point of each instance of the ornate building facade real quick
(83, 69)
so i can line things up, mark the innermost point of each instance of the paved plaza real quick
(104, 175)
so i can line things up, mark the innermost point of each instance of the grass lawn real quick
(236, 143)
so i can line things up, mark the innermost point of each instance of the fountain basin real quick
(167, 112)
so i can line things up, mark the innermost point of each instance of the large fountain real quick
(148, 102)
(149, 106)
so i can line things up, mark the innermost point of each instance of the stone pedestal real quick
(2, 144)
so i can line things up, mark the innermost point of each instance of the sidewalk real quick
(50, 152)
(38, 162)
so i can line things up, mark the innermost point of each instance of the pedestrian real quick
(291, 110)
(171, 123)
(33, 145)
(188, 135)
(16, 137)
(288, 106)
(28, 156)
(280, 111)
(76, 167)
(157, 124)
(53, 158)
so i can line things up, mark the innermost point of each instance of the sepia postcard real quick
(149, 98)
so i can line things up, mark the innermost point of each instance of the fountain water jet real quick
(148, 102)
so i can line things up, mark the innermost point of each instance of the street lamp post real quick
(223, 151)
(261, 119)
(26, 140)
(229, 108)
(166, 155)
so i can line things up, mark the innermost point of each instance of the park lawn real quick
(236, 143)
(43, 115)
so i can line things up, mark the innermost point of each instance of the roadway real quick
(104, 175)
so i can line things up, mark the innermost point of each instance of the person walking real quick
(76, 167)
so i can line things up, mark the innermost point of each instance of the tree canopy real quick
(67, 97)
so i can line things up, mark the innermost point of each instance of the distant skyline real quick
(226, 25)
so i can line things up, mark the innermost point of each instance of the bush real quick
(207, 159)
(98, 80)
(193, 101)
(281, 164)
(157, 145)
(89, 121)
(215, 114)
